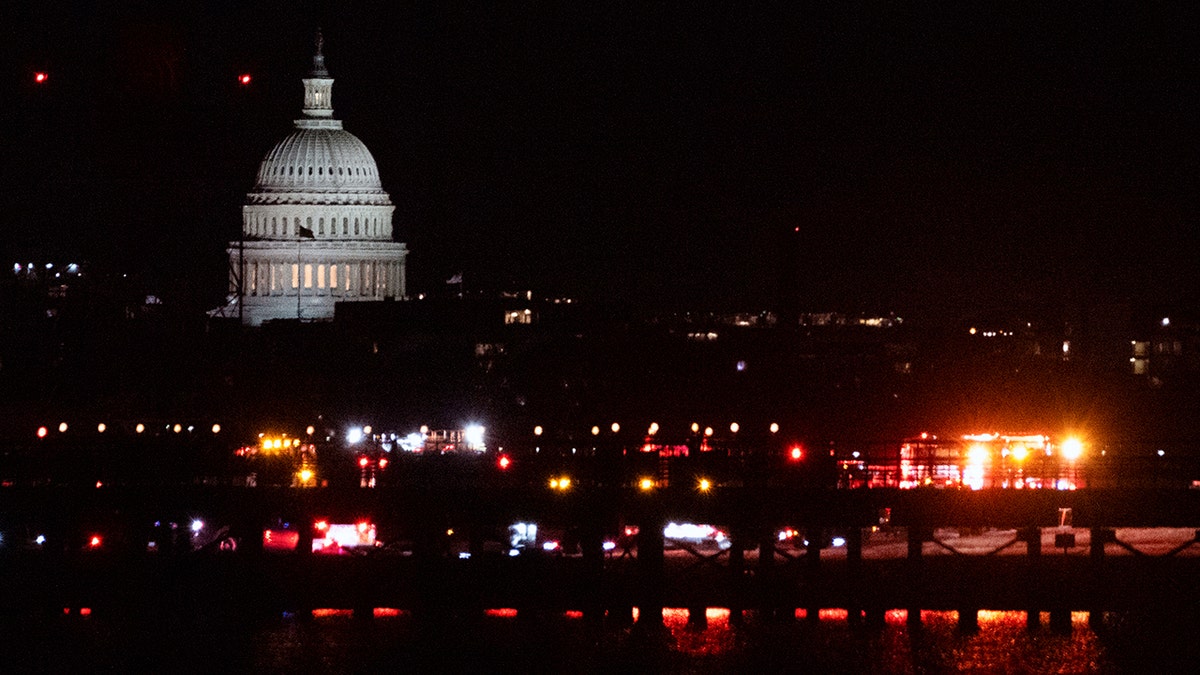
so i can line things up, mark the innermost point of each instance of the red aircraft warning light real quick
(40, 77)
(244, 79)
(504, 462)
(796, 453)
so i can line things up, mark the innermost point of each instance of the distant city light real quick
(615, 427)
(734, 427)
(653, 428)
(354, 435)
(1161, 453)
(310, 430)
(646, 484)
(140, 428)
(1166, 321)
(797, 453)
(101, 427)
(62, 428)
(40, 77)
(197, 525)
(695, 427)
(1072, 449)
(42, 431)
(774, 427)
(244, 79)
(216, 428)
(708, 431)
(537, 431)
(705, 485)
(595, 431)
(473, 435)
(177, 428)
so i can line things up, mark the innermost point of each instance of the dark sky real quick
(932, 159)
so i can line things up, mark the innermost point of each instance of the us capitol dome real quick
(317, 227)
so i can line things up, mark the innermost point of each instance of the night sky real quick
(935, 161)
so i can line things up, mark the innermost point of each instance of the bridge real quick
(446, 551)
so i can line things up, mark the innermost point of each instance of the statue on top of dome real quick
(318, 68)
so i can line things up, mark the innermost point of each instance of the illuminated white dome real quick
(318, 159)
(317, 226)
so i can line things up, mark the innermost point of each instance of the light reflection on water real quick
(335, 640)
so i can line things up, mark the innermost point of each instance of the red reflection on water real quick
(573, 614)
(502, 613)
(717, 638)
(389, 611)
(326, 611)
(85, 611)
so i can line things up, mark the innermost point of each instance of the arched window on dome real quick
(320, 171)
(274, 225)
(307, 224)
(333, 276)
(320, 226)
(345, 226)
(291, 171)
(296, 222)
(339, 170)
(310, 170)
(320, 276)
(356, 227)
(331, 171)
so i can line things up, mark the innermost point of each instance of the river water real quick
(336, 641)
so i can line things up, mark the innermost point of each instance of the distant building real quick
(317, 227)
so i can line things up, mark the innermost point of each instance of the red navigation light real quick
(244, 79)
(796, 453)
(40, 77)
(363, 462)
(504, 462)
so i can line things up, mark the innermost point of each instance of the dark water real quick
(337, 642)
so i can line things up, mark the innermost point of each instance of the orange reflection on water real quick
(326, 612)
(717, 638)
(389, 612)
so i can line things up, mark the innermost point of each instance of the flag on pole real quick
(306, 233)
